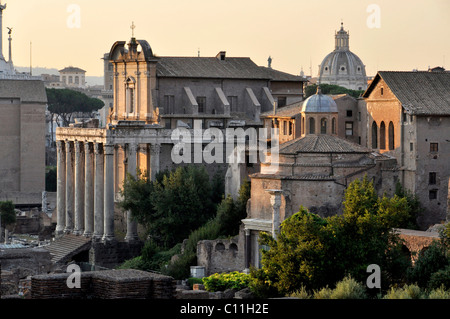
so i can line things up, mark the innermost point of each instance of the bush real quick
(324, 293)
(407, 292)
(440, 278)
(430, 261)
(220, 282)
(301, 293)
(439, 293)
(349, 288)
(193, 280)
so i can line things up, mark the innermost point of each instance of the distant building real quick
(22, 133)
(73, 77)
(342, 67)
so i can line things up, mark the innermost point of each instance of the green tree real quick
(332, 89)
(63, 103)
(176, 203)
(313, 252)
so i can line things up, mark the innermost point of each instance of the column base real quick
(109, 239)
(132, 238)
(87, 234)
(68, 231)
(97, 238)
(78, 232)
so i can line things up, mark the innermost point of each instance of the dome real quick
(343, 67)
(319, 103)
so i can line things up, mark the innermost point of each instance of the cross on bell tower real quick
(132, 29)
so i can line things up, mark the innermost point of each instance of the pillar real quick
(155, 150)
(69, 187)
(60, 188)
(108, 232)
(248, 250)
(131, 224)
(79, 189)
(88, 190)
(98, 192)
(275, 201)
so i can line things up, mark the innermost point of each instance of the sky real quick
(297, 34)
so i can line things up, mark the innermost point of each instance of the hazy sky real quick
(295, 33)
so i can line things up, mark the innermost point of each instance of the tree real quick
(313, 252)
(332, 89)
(176, 203)
(7, 213)
(63, 103)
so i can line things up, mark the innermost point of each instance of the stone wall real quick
(107, 284)
(221, 255)
(111, 254)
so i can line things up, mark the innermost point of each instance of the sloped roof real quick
(209, 67)
(290, 110)
(420, 92)
(72, 69)
(321, 143)
(276, 75)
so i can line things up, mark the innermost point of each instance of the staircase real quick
(64, 248)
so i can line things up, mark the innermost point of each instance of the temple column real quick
(79, 189)
(98, 192)
(88, 190)
(108, 188)
(155, 149)
(60, 188)
(275, 201)
(248, 250)
(69, 187)
(131, 224)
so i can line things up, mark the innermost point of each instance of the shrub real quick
(439, 293)
(324, 293)
(430, 261)
(193, 280)
(220, 282)
(407, 292)
(349, 288)
(440, 278)
(300, 293)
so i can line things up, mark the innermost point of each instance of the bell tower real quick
(134, 82)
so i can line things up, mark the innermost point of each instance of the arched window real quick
(323, 126)
(382, 136)
(374, 135)
(333, 126)
(303, 125)
(130, 95)
(391, 136)
(312, 126)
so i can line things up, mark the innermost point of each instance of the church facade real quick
(152, 96)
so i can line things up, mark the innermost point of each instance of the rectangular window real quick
(169, 104)
(432, 178)
(411, 147)
(201, 101)
(359, 116)
(434, 147)
(282, 101)
(432, 194)
(349, 128)
(285, 127)
(233, 100)
(349, 113)
(405, 117)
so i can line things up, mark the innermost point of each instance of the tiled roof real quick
(321, 143)
(72, 69)
(421, 93)
(276, 75)
(209, 67)
(285, 111)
